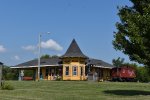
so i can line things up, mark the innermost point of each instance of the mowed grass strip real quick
(75, 90)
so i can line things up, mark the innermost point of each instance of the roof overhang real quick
(20, 67)
(103, 67)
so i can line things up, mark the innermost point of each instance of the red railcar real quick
(124, 73)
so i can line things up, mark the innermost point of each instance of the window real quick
(74, 70)
(67, 70)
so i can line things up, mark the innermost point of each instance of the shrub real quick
(143, 74)
(10, 74)
(6, 86)
(58, 78)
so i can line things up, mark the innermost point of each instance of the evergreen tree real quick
(133, 31)
(46, 56)
(118, 62)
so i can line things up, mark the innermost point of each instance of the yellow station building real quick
(73, 65)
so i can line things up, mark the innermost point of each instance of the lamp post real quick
(39, 53)
(1, 65)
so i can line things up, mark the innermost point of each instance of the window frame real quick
(74, 70)
(66, 70)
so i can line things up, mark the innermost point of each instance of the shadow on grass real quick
(127, 92)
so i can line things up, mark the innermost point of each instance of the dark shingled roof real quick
(1, 63)
(57, 62)
(48, 61)
(98, 63)
(74, 51)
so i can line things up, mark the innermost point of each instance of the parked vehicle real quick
(123, 73)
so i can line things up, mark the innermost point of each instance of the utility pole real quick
(39, 54)
(1, 65)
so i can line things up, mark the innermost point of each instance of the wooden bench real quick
(27, 78)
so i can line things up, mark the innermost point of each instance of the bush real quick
(143, 74)
(10, 74)
(58, 78)
(7, 87)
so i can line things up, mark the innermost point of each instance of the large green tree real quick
(133, 31)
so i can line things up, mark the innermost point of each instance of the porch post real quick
(34, 75)
(83, 72)
(19, 77)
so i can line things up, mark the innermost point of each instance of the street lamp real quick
(39, 53)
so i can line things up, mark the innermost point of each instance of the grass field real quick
(76, 90)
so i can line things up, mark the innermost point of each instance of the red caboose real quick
(124, 73)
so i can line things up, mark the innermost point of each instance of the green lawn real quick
(76, 90)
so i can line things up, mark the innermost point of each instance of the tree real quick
(142, 74)
(118, 62)
(46, 56)
(55, 56)
(133, 31)
(9, 73)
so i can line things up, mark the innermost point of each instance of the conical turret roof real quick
(74, 51)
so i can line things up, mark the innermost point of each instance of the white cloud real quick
(16, 57)
(2, 49)
(29, 48)
(59, 54)
(51, 44)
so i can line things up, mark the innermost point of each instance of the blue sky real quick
(90, 22)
